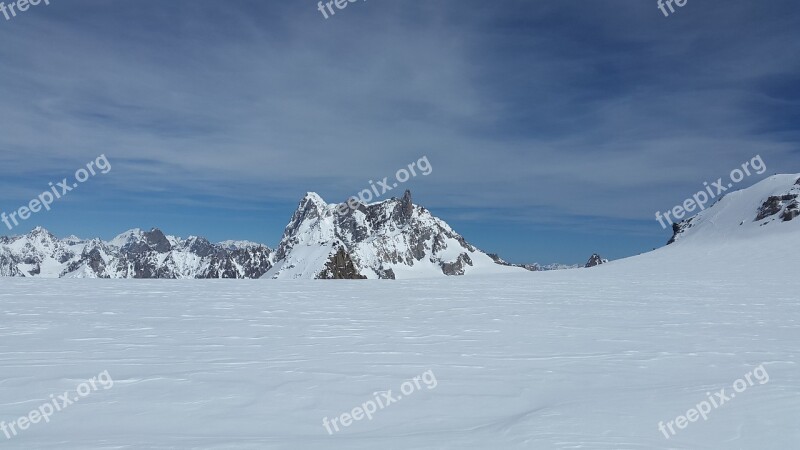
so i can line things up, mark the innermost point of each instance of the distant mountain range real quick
(133, 254)
(392, 239)
(389, 239)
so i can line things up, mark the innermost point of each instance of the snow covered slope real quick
(576, 359)
(133, 254)
(390, 239)
(769, 207)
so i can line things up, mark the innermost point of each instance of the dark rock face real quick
(773, 205)
(96, 262)
(595, 260)
(676, 230)
(457, 267)
(386, 274)
(404, 210)
(92, 259)
(8, 263)
(679, 228)
(253, 261)
(157, 241)
(138, 265)
(791, 211)
(8, 266)
(256, 260)
(201, 247)
(153, 241)
(340, 267)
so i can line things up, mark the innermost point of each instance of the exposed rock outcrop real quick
(340, 267)
(595, 260)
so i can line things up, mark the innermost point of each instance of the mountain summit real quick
(390, 239)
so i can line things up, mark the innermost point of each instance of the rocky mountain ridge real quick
(133, 254)
(385, 240)
(391, 239)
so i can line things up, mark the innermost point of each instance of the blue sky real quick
(555, 128)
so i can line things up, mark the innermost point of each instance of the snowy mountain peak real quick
(42, 235)
(315, 199)
(42, 240)
(595, 260)
(126, 237)
(39, 230)
(406, 207)
(389, 239)
(157, 241)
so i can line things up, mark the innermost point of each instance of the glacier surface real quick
(588, 358)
